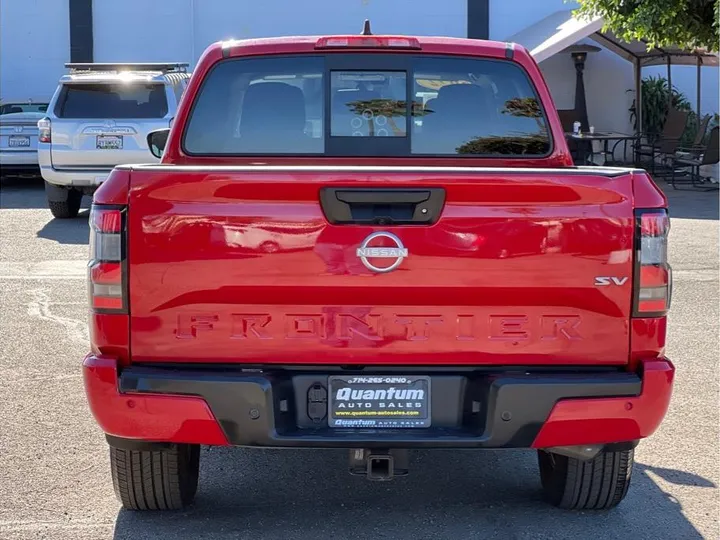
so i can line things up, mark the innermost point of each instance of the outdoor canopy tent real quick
(561, 29)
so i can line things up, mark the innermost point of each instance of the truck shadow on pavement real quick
(22, 192)
(69, 231)
(28, 193)
(491, 494)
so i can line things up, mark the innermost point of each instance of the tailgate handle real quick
(390, 206)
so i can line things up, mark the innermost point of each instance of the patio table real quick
(605, 137)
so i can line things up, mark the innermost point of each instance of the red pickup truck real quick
(380, 244)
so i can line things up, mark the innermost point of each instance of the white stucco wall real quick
(608, 88)
(508, 17)
(684, 78)
(180, 30)
(34, 46)
(142, 31)
(34, 39)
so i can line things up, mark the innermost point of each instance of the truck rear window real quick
(90, 100)
(430, 106)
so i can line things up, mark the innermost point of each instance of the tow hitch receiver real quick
(379, 465)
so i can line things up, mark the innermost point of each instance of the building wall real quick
(142, 31)
(508, 17)
(609, 88)
(684, 78)
(34, 40)
(34, 46)
(171, 30)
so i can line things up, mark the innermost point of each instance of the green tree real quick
(686, 23)
(525, 108)
(493, 145)
(389, 108)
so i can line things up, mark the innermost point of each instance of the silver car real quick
(99, 117)
(19, 134)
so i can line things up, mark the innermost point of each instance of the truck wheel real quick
(155, 480)
(598, 484)
(64, 203)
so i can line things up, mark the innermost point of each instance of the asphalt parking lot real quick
(55, 479)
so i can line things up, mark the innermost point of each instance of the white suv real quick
(99, 117)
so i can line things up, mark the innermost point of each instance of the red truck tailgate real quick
(241, 265)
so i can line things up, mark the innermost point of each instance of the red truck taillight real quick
(107, 269)
(653, 275)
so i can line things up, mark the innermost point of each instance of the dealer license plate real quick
(379, 401)
(18, 141)
(109, 142)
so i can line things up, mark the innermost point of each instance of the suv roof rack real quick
(173, 67)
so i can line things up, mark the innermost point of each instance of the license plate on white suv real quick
(18, 141)
(109, 142)
(387, 401)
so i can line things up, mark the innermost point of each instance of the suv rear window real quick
(304, 105)
(11, 108)
(90, 100)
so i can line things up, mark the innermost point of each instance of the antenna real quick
(366, 28)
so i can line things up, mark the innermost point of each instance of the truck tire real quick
(155, 479)
(64, 203)
(598, 484)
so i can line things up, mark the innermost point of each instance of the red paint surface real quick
(110, 336)
(218, 246)
(115, 189)
(647, 194)
(178, 419)
(647, 339)
(608, 420)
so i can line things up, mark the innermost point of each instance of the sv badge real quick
(603, 281)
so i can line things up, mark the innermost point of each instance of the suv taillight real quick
(653, 275)
(107, 268)
(44, 130)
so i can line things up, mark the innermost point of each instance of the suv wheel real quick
(156, 479)
(598, 484)
(63, 202)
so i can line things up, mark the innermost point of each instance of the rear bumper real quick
(80, 177)
(74, 178)
(473, 409)
(19, 159)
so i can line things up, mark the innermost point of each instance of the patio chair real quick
(696, 147)
(687, 170)
(567, 118)
(665, 143)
